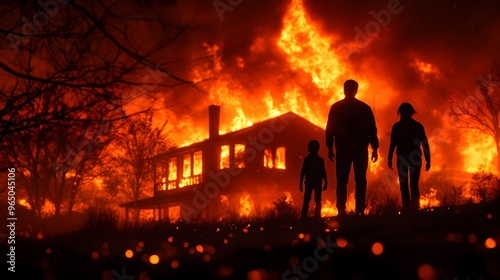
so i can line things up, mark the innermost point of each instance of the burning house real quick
(238, 172)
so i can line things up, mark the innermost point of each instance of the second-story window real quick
(279, 158)
(275, 160)
(186, 166)
(224, 157)
(172, 174)
(239, 151)
(268, 158)
(197, 163)
(172, 169)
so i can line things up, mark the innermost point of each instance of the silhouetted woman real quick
(407, 137)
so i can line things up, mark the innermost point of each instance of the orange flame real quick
(246, 205)
(429, 200)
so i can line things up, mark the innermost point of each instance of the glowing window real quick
(224, 157)
(186, 166)
(172, 169)
(239, 150)
(163, 185)
(279, 160)
(197, 163)
(174, 213)
(268, 158)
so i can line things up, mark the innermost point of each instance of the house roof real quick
(231, 134)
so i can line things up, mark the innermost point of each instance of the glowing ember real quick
(154, 259)
(129, 254)
(490, 243)
(377, 248)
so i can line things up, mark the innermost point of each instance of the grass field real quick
(459, 242)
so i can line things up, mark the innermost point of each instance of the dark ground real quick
(446, 243)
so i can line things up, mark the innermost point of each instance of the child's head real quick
(406, 110)
(313, 146)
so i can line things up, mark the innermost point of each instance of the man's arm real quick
(329, 134)
(372, 131)
(325, 186)
(372, 134)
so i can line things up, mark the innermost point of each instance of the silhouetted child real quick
(314, 173)
(407, 136)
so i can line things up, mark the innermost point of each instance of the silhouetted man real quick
(351, 126)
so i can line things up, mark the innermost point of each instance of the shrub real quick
(99, 218)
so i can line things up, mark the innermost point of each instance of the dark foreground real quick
(446, 243)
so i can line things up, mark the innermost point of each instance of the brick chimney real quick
(213, 121)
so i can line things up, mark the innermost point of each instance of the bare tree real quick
(96, 48)
(481, 111)
(67, 69)
(130, 166)
(54, 160)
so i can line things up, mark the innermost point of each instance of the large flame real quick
(319, 70)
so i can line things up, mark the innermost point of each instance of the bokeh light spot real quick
(377, 248)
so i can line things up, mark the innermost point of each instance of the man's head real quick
(313, 146)
(350, 88)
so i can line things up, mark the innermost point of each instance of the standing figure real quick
(407, 136)
(351, 126)
(314, 173)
